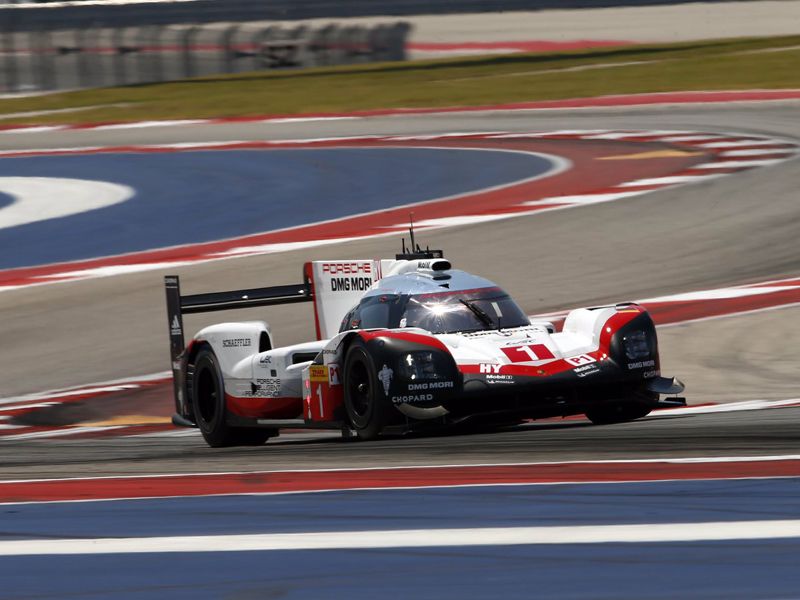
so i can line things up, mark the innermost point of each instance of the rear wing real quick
(178, 305)
(335, 286)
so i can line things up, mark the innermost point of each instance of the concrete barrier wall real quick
(93, 56)
(117, 14)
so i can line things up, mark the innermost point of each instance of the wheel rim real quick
(360, 391)
(207, 395)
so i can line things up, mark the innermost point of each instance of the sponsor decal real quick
(489, 368)
(171, 280)
(333, 375)
(433, 385)
(493, 379)
(385, 377)
(265, 360)
(318, 373)
(577, 361)
(527, 353)
(410, 399)
(651, 374)
(176, 365)
(351, 284)
(264, 388)
(642, 364)
(236, 342)
(175, 326)
(586, 370)
(351, 268)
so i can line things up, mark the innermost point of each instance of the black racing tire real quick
(253, 436)
(208, 400)
(365, 403)
(208, 403)
(619, 412)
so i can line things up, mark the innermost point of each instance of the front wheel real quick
(364, 398)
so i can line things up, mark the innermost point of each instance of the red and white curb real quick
(16, 406)
(609, 101)
(724, 153)
(293, 481)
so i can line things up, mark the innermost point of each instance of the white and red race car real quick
(403, 344)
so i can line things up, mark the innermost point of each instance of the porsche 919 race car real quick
(402, 345)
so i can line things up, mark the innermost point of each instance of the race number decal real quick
(583, 359)
(528, 353)
(333, 375)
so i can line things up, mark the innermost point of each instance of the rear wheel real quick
(618, 413)
(208, 401)
(364, 398)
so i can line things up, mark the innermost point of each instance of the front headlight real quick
(636, 346)
(418, 366)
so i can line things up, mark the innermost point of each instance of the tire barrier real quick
(44, 59)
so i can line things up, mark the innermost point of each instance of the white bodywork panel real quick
(338, 286)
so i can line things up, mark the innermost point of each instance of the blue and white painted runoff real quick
(93, 205)
(627, 540)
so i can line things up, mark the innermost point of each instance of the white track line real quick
(621, 135)
(59, 432)
(583, 198)
(147, 124)
(669, 180)
(34, 129)
(414, 538)
(746, 143)
(786, 152)
(739, 164)
(693, 137)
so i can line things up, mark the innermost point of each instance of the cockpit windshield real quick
(440, 312)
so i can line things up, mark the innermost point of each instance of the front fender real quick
(416, 371)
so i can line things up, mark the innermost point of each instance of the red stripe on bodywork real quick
(611, 326)
(414, 477)
(414, 338)
(265, 408)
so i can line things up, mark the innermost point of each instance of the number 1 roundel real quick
(528, 353)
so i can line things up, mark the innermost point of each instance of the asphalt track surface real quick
(755, 433)
(733, 230)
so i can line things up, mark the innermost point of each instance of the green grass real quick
(764, 63)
